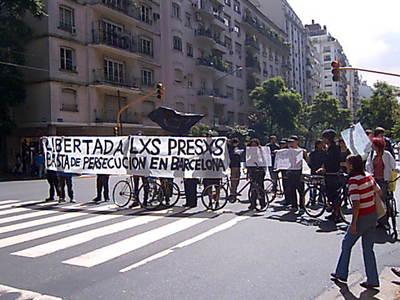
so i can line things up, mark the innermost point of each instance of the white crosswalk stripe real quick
(64, 243)
(6, 292)
(186, 243)
(2, 203)
(117, 249)
(63, 216)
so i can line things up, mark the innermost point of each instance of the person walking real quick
(102, 185)
(52, 179)
(273, 147)
(380, 133)
(381, 164)
(256, 176)
(65, 179)
(362, 189)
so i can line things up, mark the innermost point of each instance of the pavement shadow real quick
(368, 294)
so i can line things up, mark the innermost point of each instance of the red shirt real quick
(378, 167)
(362, 189)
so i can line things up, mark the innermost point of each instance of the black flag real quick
(173, 121)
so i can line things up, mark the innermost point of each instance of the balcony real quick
(210, 94)
(122, 43)
(122, 8)
(252, 44)
(253, 63)
(219, 21)
(203, 9)
(110, 82)
(204, 35)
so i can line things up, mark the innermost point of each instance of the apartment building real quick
(313, 72)
(297, 38)
(103, 54)
(216, 51)
(329, 49)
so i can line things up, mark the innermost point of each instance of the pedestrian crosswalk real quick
(37, 230)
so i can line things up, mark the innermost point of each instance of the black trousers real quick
(295, 184)
(191, 191)
(53, 183)
(257, 177)
(102, 184)
(65, 181)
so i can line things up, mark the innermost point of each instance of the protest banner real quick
(138, 155)
(289, 159)
(357, 140)
(258, 157)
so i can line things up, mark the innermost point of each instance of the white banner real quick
(153, 156)
(258, 157)
(357, 140)
(289, 159)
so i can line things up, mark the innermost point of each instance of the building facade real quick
(313, 72)
(101, 55)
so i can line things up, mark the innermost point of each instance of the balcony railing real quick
(210, 93)
(101, 77)
(118, 40)
(249, 42)
(203, 32)
(253, 63)
(126, 7)
(214, 62)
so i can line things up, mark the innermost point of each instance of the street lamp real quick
(216, 81)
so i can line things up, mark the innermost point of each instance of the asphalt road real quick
(87, 251)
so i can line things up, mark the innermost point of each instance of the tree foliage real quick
(382, 109)
(278, 108)
(14, 36)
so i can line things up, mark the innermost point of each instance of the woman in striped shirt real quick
(362, 189)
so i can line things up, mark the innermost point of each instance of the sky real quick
(369, 31)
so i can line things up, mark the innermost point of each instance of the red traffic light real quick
(335, 70)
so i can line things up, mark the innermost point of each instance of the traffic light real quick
(160, 90)
(335, 70)
(116, 131)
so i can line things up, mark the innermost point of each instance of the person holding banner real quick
(273, 146)
(235, 155)
(65, 179)
(256, 176)
(52, 179)
(102, 184)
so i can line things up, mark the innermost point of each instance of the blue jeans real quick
(366, 230)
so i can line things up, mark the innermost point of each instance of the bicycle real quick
(315, 198)
(391, 211)
(150, 195)
(215, 196)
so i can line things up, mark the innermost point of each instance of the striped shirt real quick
(362, 189)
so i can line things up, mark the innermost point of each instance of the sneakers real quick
(49, 199)
(96, 200)
(337, 278)
(366, 285)
(61, 200)
(72, 200)
(396, 271)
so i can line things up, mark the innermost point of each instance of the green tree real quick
(278, 108)
(382, 109)
(324, 112)
(14, 36)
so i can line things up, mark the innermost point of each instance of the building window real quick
(238, 49)
(147, 77)
(327, 58)
(227, 2)
(67, 59)
(176, 10)
(114, 71)
(69, 100)
(229, 66)
(227, 20)
(178, 76)
(239, 73)
(327, 49)
(236, 29)
(230, 92)
(189, 80)
(189, 50)
(145, 14)
(228, 42)
(236, 6)
(239, 94)
(67, 18)
(177, 43)
(188, 20)
(146, 46)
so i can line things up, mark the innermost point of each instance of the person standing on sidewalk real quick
(362, 189)
(273, 146)
(102, 184)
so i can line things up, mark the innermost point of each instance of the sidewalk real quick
(389, 289)
(10, 177)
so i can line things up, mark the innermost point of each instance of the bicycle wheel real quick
(314, 201)
(122, 193)
(270, 190)
(172, 194)
(214, 197)
(151, 195)
(258, 198)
